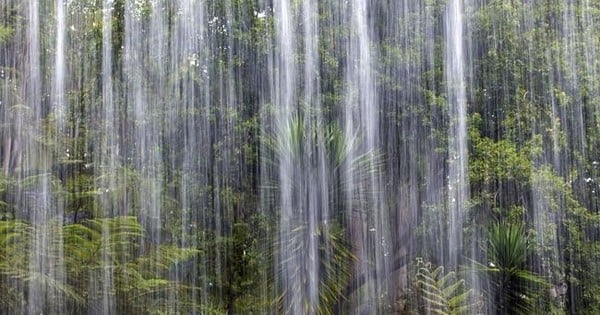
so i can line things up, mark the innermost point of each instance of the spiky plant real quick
(442, 293)
(513, 289)
(335, 262)
(311, 157)
(304, 143)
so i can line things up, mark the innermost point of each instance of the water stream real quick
(291, 156)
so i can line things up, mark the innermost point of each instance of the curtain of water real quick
(292, 216)
(368, 215)
(187, 38)
(37, 200)
(35, 204)
(316, 181)
(108, 157)
(457, 150)
(319, 144)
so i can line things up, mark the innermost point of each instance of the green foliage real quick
(233, 269)
(533, 99)
(303, 142)
(88, 251)
(492, 161)
(12, 260)
(577, 231)
(335, 265)
(442, 293)
(5, 34)
(298, 139)
(513, 289)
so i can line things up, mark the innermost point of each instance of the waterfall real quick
(457, 137)
(299, 156)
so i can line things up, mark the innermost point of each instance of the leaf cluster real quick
(442, 293)
(513, 288)
(96, 250)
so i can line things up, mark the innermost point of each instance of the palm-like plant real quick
(335, 262)
(513, 289)
(309, 158)
(306, 144)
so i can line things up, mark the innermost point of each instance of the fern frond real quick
(441, 293)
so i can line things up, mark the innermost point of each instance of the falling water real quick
(458, 159)
(293, 262)
(108, 149)
(294, 156)
(38, 200)
(367, 214)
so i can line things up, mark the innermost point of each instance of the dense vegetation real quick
(149, 180)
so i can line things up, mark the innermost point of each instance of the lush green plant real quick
(306, 145)
(513, 288)
(443, 293)
(232, 268)
(335, 263)
(94, 250)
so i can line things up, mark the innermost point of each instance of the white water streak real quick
(457, 147)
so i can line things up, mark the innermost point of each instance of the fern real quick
(140, 281)
(440, 293)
